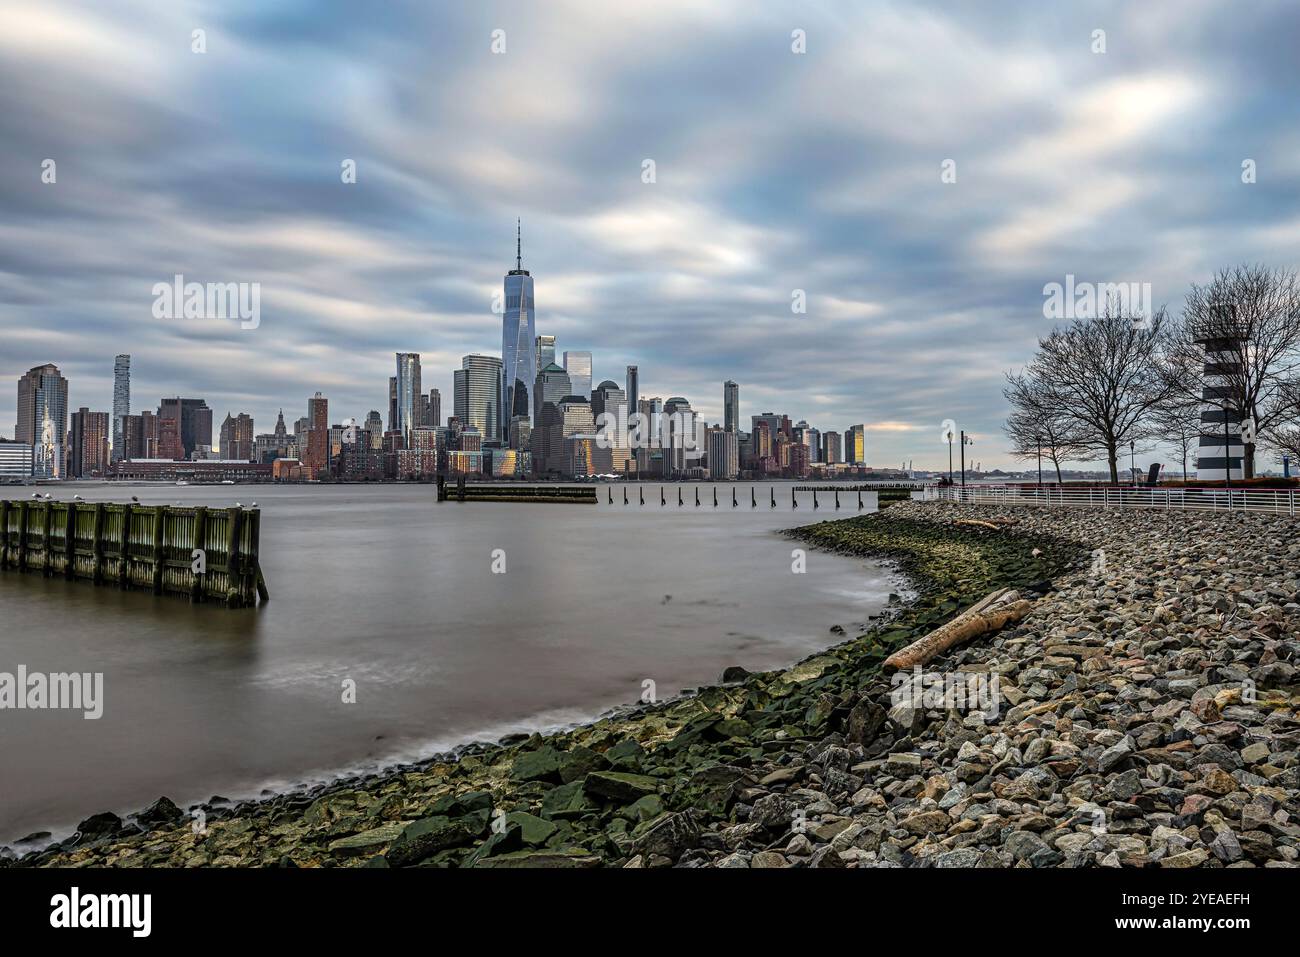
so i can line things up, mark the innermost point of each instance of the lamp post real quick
(1039, 440)
(1132, 471)
(964, 442)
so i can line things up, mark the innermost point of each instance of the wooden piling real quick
(199, 581)
(23, 510)
(124, 550)
(159, 550)
(70, 542)
(157, 556)
(234, 525)
(97, 546)
(47, 516)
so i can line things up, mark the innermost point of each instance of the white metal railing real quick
(1213, 499)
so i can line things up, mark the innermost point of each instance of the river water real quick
(383, 587)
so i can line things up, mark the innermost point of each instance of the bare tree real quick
(1284, 435)
(1177, 422)
(1036, 426)
(1103, 376)
(1251, 314)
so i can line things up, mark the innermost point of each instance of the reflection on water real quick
(383, 586)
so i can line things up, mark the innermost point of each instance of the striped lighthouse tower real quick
(1221, 447)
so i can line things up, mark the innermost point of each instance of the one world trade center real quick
(518, 343)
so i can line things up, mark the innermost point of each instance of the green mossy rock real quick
(619, 787)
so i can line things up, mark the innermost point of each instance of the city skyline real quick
(920, 294)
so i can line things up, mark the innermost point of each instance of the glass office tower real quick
(409, 393)
(578, 365)
(518, 345)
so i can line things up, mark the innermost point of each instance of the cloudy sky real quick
(775, 171)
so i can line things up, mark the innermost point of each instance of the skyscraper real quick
(730, 406)
(578, 365)
(317, 455)
(545, 351)
(409, 392)
(609, 398)
(375, 429)
(552, 385)
(518, 344)
(237, 437)
(855, 445)
(724, 456)
(476, 395)
(685, 443)
(88, 448)
(633, 389)
(831, 447)
(435, 409)
(121, 403)
(809, 437)
(134, 444)
(183, 426)
(43, 418)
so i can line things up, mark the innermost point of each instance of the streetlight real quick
(1039, 440)
(965, 441)
(1132, 471)
(949, 434)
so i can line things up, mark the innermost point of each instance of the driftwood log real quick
(991, 614)
(993, 523)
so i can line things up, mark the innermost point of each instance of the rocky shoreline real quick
(1144, 713)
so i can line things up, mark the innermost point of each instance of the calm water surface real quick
(386, 587)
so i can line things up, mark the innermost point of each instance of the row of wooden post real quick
(753, 498)
(242, 568)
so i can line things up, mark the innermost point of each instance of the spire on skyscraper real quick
(519, 246)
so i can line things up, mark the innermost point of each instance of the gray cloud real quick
(775, 172)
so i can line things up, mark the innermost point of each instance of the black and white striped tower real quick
(1221, 447)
